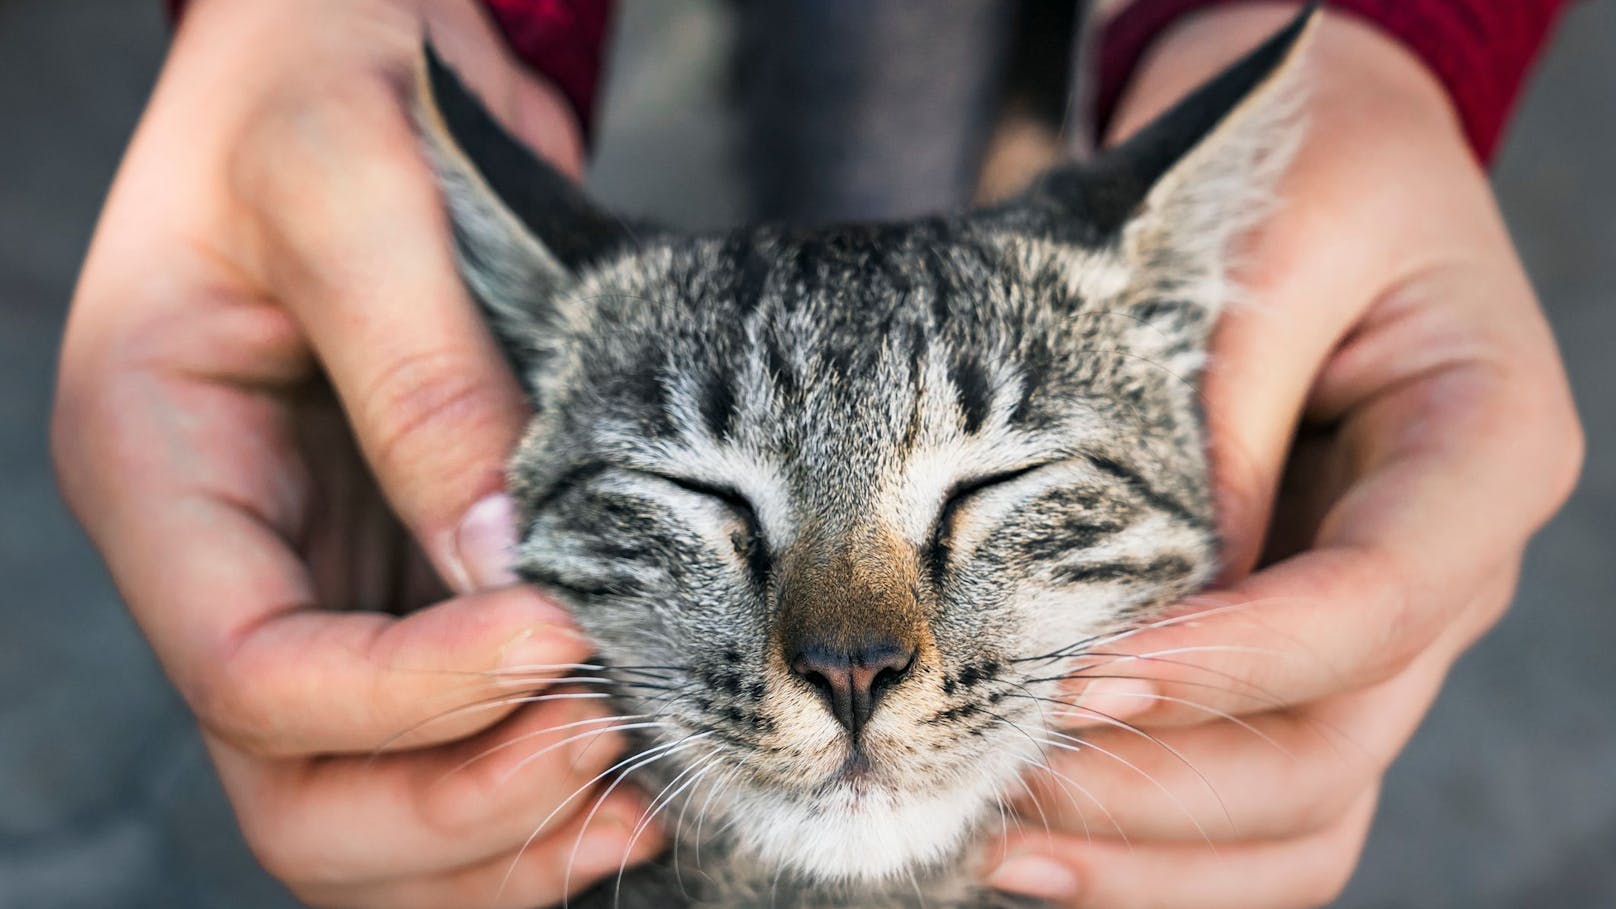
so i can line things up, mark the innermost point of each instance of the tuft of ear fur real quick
(1174, 197)
(523, 232)
(1222, 185)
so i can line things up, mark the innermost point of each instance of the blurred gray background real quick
(1506, 798)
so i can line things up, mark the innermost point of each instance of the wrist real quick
(1353, 69)
(317, 47)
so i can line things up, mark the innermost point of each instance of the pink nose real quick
(853, 681)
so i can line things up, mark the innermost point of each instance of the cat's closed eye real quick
(748, 539)
(960, 495)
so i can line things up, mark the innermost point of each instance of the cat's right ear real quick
(523, 232)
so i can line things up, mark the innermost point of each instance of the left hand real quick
(283, 422)
(1388, 313)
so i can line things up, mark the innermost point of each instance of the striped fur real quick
(982, 430)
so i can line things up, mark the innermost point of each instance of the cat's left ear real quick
(523, 231)
(1173, 196)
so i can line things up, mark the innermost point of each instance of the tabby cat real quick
(840, 506)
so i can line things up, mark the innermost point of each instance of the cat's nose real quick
(852, 681)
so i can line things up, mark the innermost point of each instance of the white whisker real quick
(666, 752)
(1189, 815)
(528, 759)
(491, 704)
(657, 803)
(655, 749)
(512, 743)
(1212, 711)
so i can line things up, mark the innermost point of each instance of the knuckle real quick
(1408, 627)
(458, 804)
(311, 151)
(94, 423)
(67, 425)
(458, 801)
(223, 705)
(1326, 887)
(311, 122)
(414, 398)
(268, 839)
(1342, 846)
(1331, 797)
(471, 798)
(232, 701)
(1572, 453)
(290, 859)
(1544, 404)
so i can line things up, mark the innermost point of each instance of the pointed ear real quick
(1186, 185)
(1175, 195)
(523, 232)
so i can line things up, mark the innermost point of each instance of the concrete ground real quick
(1506, 798)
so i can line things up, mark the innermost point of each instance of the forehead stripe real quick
(1157, 499)
(718, 405)
(973, 390)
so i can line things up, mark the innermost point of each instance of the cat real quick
(841, 506)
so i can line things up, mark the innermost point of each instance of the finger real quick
(1471, 452)
(1424, 373)
(1309, 871)
(1330, 253)
(1275, 775)
(266, 670)
(587, 851)
(317, 682)
(200, 550)
(357, 246)
(1395, 558)
(531, 109)
(428, 811)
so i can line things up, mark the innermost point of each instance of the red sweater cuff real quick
(1481, 50)
(562, 40)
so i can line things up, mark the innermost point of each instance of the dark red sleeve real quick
(1481, 50)
(562, 40)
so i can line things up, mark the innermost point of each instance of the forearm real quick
(1357, 73)
(1479, 51)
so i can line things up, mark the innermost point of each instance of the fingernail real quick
(543, 648)
(1036, 876)
(1106, 700)
(485, 544)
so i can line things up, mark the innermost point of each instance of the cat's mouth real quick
(858, 783)
(856, 770)
(861, 823)
(864, 772)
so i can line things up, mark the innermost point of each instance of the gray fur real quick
(715, 412)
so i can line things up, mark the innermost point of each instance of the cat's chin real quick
(854, 833)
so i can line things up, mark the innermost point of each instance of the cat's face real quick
(927, 454)
(838, 506)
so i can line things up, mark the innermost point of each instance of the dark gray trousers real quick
(868, 109)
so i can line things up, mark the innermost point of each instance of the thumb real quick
(357, 247)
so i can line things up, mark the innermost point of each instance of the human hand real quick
(269, 316)
(1389, 316)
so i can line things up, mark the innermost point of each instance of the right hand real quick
(269, 357)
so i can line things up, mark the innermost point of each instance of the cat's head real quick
(839, 503)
